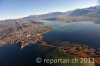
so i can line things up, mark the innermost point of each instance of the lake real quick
(80, 32)
(83, 32)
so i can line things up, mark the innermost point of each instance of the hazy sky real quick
(10, 9)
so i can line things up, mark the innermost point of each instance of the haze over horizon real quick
(12, 9)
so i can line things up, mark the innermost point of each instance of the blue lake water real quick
(13, 55)
(80, 32)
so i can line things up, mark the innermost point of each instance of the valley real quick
(71, 34)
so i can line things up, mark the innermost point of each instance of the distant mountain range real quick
(85, 14)
(88, 14)
(91, 11)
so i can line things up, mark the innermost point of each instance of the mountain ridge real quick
(90, 11)
(77, 12)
